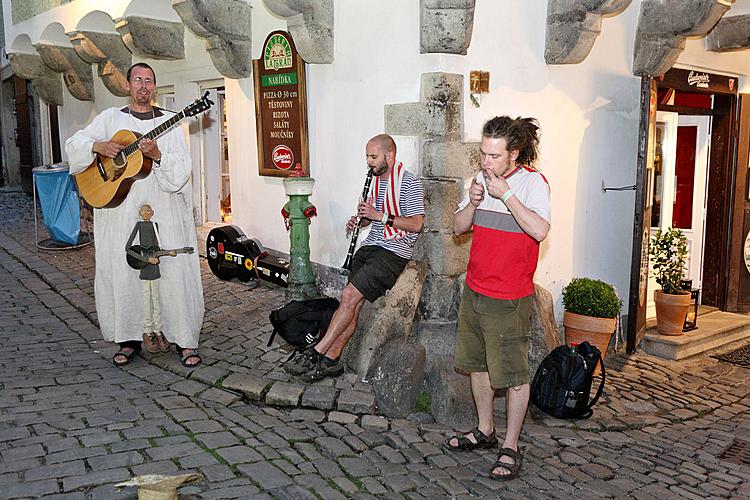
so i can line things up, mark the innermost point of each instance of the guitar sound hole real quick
(120, 160)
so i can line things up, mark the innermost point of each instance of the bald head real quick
(381, 154)
(384, 142)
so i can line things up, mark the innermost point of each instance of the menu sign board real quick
(280, 107)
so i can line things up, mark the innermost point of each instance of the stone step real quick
(716, 329)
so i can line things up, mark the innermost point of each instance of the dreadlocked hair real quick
(520, 133)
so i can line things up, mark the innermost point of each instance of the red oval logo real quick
(282, 157)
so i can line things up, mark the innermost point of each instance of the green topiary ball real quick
(591, 298)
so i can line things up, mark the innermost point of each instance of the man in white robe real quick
(167, 189)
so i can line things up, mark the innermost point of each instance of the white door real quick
(211, 158)
(679, 194)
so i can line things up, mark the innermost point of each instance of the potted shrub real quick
(591, 311)
(668, 253)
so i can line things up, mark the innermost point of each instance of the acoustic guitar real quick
(150, 252)
(106, 182)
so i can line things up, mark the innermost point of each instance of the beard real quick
(380, 168)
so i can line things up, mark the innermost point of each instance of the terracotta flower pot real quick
(595, 331)
(671, 311)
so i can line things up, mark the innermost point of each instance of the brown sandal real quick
(514, 468)
(464, 443)
(151, 342)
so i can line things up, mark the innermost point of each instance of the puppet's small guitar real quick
(106, 182)
(149, 252)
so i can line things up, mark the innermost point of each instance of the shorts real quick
(375, 271)
(493, 336)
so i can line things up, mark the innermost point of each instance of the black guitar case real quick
(231, 254)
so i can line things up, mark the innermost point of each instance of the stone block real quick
(440, 297)
(226, 27)
(388, 318)
(322, 398)
(730, 33)
(573, 26)
(431, 118)
(76, 72)
(446, 26)
(663, 28)
(356, 402)
(444, 253)
(450, 394)
(252, 386)
(397, 376)
(110, 54)
(442, 87)
(544, 333)
(374, 422)
(450, 159)
(441, 198)
(284, 394)
(150, 38)
(310, 23)
(437, 337)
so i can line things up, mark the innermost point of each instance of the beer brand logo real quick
(277, 53)
(282, 157)
(700, 80)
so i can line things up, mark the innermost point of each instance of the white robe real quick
(117, 287)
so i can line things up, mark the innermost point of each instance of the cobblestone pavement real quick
(72, 425)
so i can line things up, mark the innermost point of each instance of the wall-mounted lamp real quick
(479, 83)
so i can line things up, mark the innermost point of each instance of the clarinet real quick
(355, 233)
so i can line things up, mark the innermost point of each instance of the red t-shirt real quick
(503, 258)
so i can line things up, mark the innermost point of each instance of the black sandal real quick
(514, 468)
(128, 356)
(189, 353)
(482, 441)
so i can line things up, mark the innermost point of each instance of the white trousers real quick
(151, 310)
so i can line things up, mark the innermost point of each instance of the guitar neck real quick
(153, 134)
(162, 253)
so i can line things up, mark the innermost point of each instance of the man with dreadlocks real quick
(508, 208)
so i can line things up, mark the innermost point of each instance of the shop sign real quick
(698, 81)
(280, 107)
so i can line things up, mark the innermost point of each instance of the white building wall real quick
(589, 116)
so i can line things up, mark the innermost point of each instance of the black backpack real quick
(300, 322)
(562, 384)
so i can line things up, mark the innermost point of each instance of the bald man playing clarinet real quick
(395, 210)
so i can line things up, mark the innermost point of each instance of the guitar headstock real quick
(188, 250)
(199, 106)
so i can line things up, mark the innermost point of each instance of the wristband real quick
(391, 219)
(384, 219)
(507, 195)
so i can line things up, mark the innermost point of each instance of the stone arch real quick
(226, 26)
(27, 64)
(663, 26)
(311, 24)
(59, 55)
(573, 26)
(96, 42)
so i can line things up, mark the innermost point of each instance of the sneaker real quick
(322, 370)
(302, 363)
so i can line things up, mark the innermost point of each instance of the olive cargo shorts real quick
(493, 336)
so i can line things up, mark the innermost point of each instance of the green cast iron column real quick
(299, 211)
